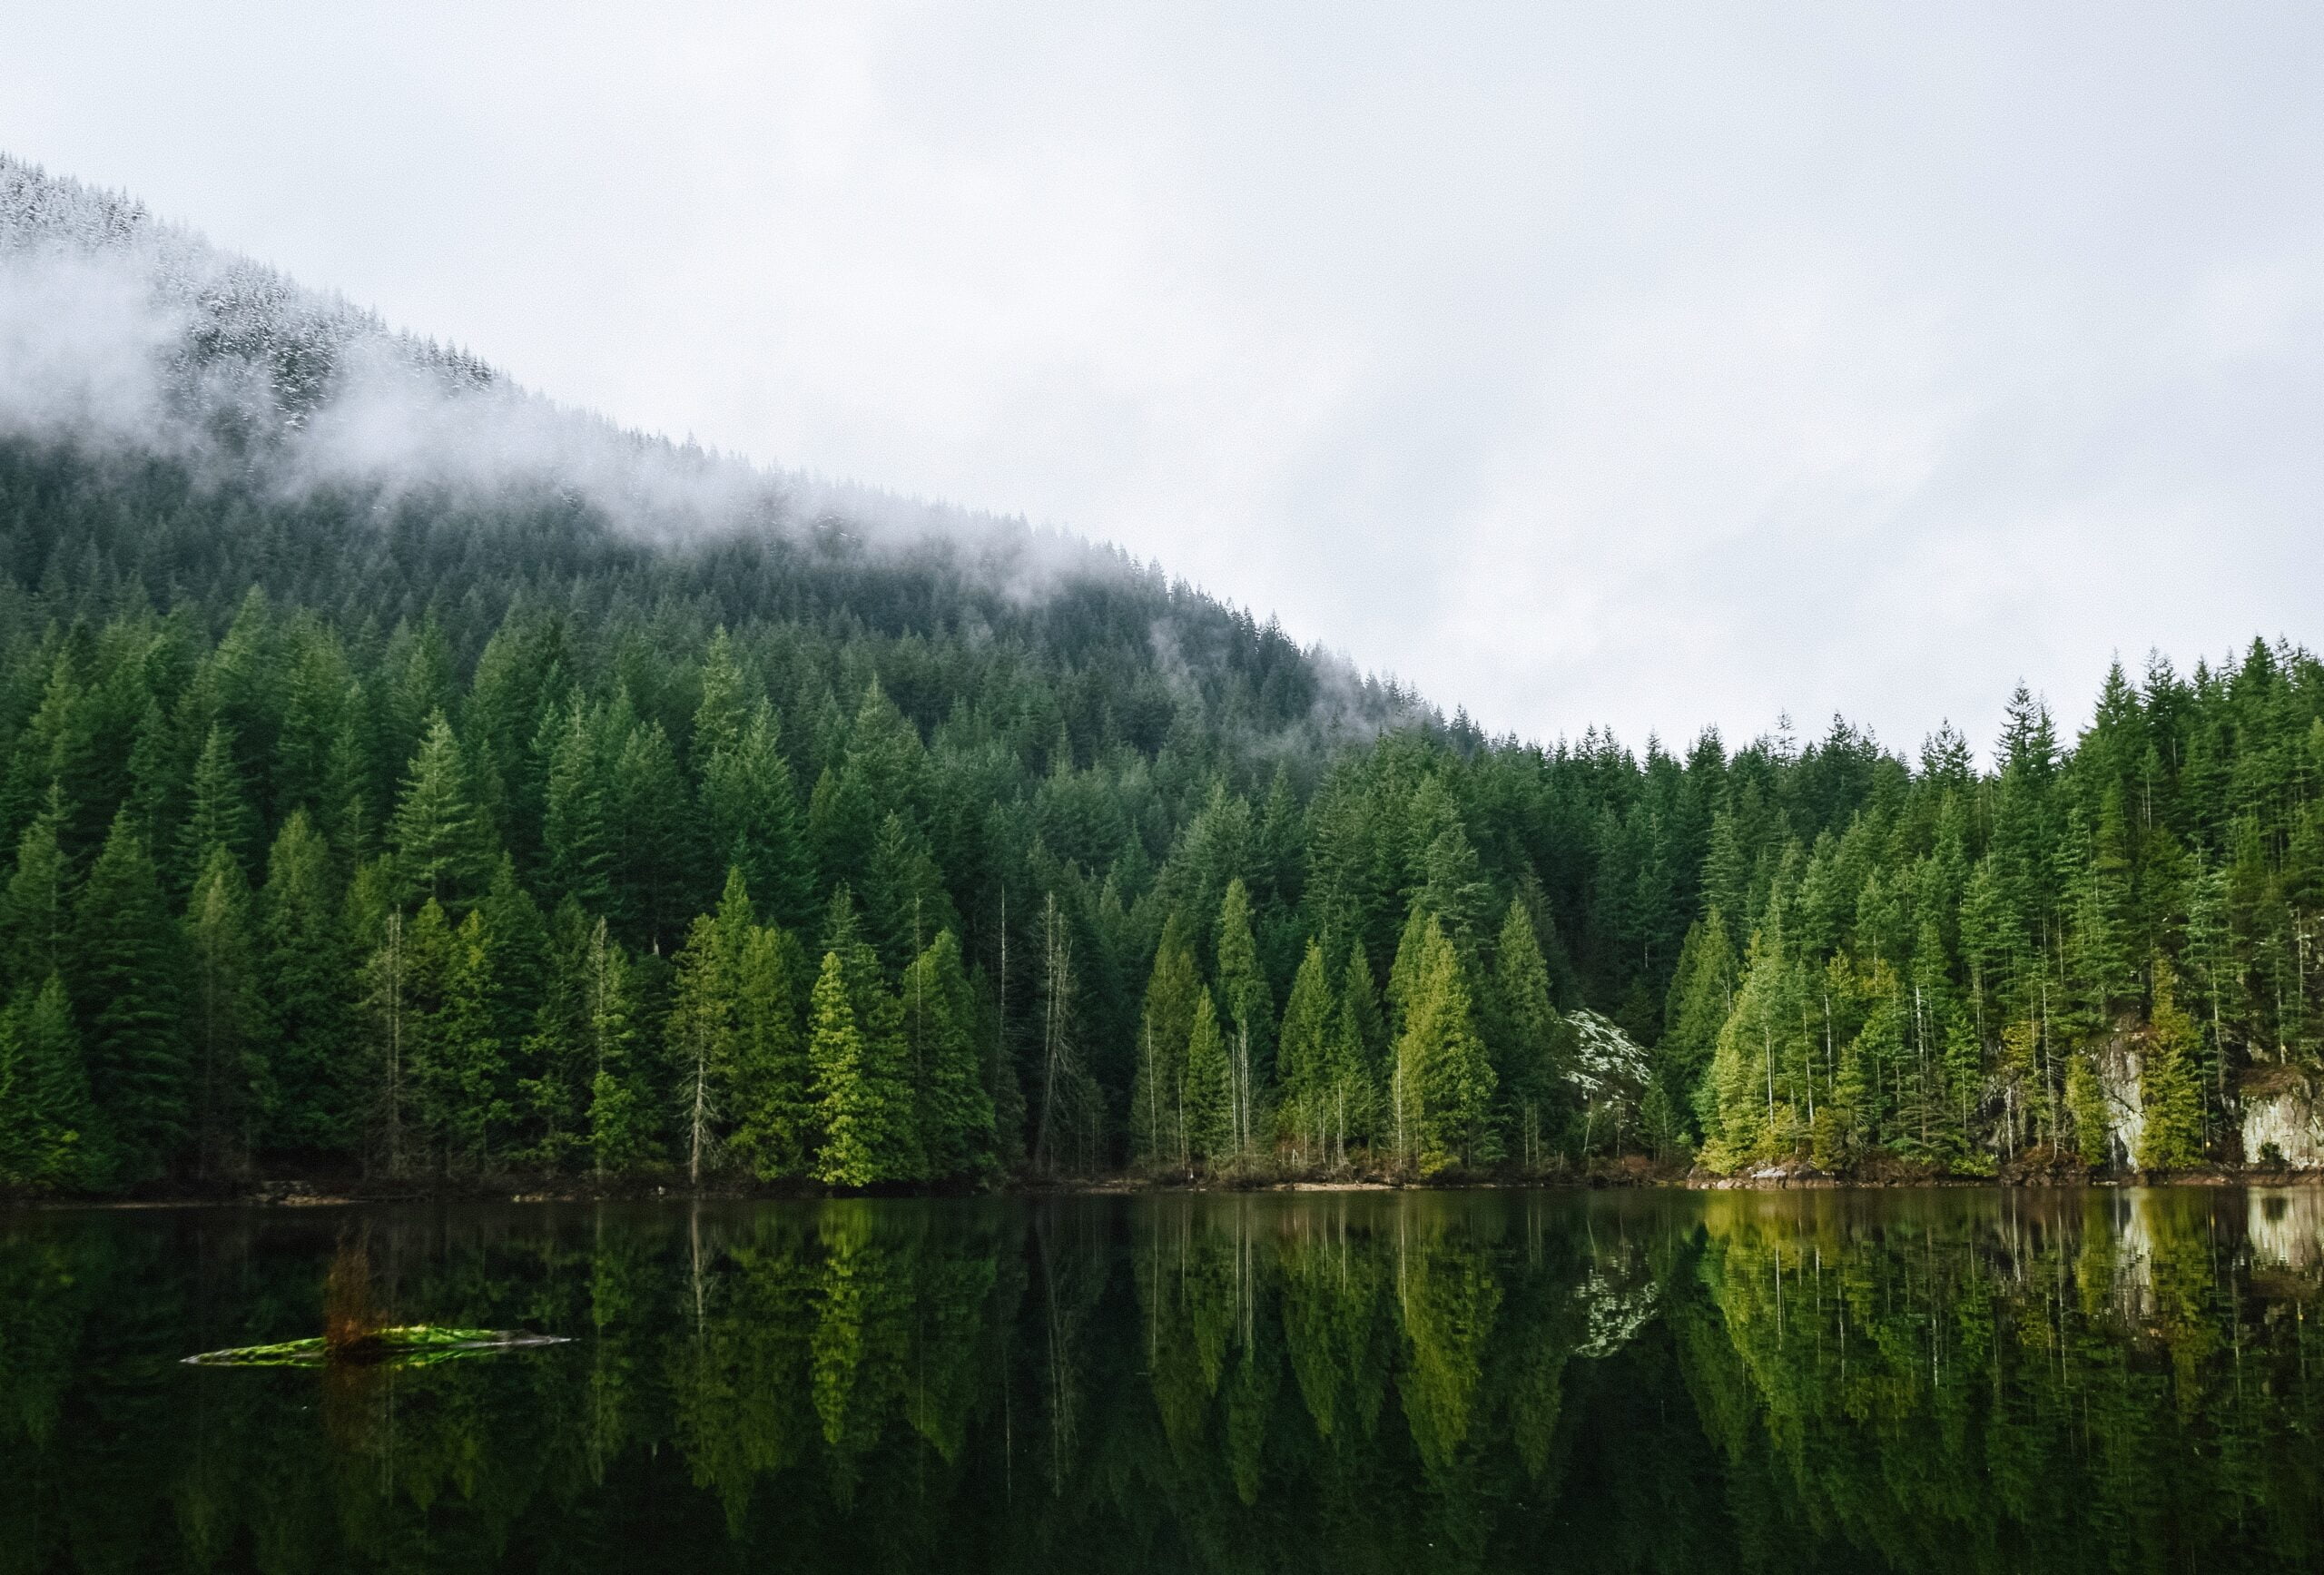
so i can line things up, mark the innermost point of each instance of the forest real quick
(505, 795)
(413, 838)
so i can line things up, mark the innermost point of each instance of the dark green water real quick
(1493, 1380)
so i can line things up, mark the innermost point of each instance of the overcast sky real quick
(1658, 367)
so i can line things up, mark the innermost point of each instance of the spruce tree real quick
(443, 847)
(1157, 1137)
(1529, 1060)
(1445, 1078)
(1207, 1089)
(955, 1110)
(850, 1112)
(218, 813)
(774, 1102)
(1248, 1014)
(1303, 1057)
(36, 913)
(129, 983)
(701, 1033)
(577, 846)
(621, 1125)
(49, 1140)
(302, 965)
(751, 804)
(232, 1089)
(2171, 1094)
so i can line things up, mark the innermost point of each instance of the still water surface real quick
(1955, 1381)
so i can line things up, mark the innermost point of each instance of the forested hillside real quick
(687, 821)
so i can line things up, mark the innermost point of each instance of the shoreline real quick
(308, 1194)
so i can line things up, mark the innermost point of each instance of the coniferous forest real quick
(449, 833)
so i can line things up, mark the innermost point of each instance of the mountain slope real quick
(404, 774)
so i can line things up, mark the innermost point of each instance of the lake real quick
(1957, 1380)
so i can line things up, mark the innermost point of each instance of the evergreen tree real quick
(1443, 1078)
(1158, 1137)
(850, 1112)
(218, 813)
(36, 914)
(620, 1127)
(1303, 1058)
(703, 1028)
(774, 1115)
(751, 806)
(443, 847)
(955, 1111)
(49, 1140)
(1249, 1015)
(2170, 1095)
(1530, 1057)
(302, 965)
(1208, 1096)
(128, 983)
(232, 1091)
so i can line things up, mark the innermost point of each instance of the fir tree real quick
(36, 914)
(1248, 1011)
(232, 1093)
(2171, 1094)
(1443, 1077)
(1303, 1057)
(49, 1140)
(955, 1111)
(1208, 1092)
(443, 847)
(218, 814)
(1529, 1055)
(1158, 1137)
(849, 1110)
(302, 965)
(129, 983)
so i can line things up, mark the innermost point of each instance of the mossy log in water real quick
(407, 1345)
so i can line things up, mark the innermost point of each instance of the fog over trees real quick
(586, 805)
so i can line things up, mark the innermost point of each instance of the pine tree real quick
(2171, 1092)
(473, 1070)
(231, 1091)
(128, 982)
(881, 1100)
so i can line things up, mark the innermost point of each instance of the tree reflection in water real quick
(1955, 1381)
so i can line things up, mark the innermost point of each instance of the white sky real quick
(1651, 366)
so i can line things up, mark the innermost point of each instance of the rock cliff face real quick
(2116, 1063)
(2283, 1111)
